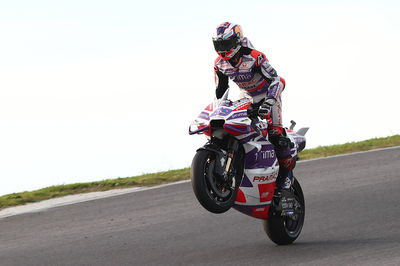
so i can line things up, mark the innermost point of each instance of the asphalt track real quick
(352, 218)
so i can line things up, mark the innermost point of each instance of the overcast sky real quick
(103, 89)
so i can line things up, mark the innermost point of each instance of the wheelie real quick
(248, 160)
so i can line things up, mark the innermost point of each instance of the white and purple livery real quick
(238, 166)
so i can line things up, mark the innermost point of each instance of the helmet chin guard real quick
(228, 55)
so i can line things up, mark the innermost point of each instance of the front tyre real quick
(212, 191)
(283, 230)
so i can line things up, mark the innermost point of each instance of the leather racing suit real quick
(256, 78)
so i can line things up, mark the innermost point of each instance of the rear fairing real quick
(298, 139)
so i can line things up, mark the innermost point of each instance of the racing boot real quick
(284, 197)
(283, 146)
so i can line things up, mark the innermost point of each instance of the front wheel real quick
(213, 192)
(283, 230)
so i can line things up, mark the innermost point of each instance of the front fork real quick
(225, 160)
(233, 147)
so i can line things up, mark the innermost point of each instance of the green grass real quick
(62, 190)
(176, 175)
(324, 151)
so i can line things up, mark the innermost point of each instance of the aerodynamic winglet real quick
(302, 131)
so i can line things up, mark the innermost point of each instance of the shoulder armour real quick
(258, 56)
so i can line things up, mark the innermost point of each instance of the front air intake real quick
(218, 123)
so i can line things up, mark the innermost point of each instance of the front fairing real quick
(233, 116)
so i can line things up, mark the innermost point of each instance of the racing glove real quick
(252, 110)
(266, 108)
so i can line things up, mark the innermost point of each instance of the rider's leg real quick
(282, 144)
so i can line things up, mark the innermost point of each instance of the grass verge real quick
(176, 175)
(370, 144)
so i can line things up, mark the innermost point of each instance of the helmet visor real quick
(225, 45)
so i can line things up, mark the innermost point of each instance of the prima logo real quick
(265, 154)
(243, 77)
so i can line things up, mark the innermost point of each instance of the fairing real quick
(261, 165)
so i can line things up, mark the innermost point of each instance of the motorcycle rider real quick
(250, 70)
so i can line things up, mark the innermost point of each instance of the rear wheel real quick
(283, 230)
(213, 192)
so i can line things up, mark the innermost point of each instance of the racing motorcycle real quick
(238, 168)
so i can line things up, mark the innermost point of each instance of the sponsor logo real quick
(243, 77)
(249, 84)
(239, 115)
(247, 87)
(264, 178)
(265, 154)
(264, 195)
(222, 112)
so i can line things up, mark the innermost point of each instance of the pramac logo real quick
(265, 178)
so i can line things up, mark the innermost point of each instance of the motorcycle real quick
(238, 168)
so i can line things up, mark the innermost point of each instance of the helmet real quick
(227, 40)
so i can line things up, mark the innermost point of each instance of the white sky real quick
(103, 89)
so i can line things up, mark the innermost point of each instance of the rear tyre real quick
(283, 230)
(213, 193)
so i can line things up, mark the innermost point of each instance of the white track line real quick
(71, 199)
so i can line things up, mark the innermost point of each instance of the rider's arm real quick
(221, 81)
(269, 72)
